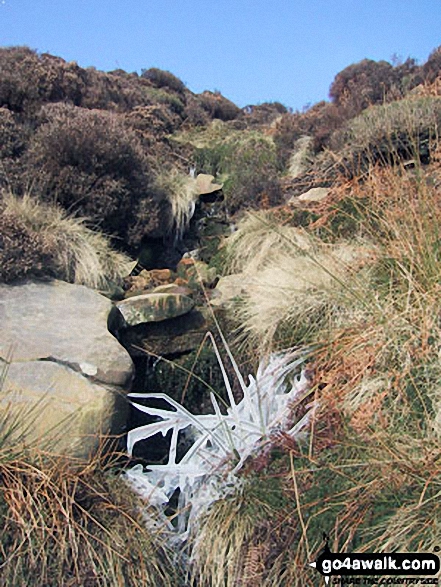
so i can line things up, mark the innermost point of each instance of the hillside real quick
(308, 243)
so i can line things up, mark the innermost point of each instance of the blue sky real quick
(251, 50)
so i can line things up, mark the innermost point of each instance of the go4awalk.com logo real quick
(399, 568)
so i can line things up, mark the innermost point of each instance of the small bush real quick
(92, 164)
(402, 130)
(24, 83)
(248, 165)
(217, 106)
(40, 240)
(23, 252)
(12, 136)
(362, 84)
(162, 78)
(265, 113)
(319, 122)
(432, 67)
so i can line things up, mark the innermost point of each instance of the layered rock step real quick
(66, 374)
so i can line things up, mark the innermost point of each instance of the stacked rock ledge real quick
(63, 366)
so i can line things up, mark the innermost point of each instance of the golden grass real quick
(76, 253)
(64, 526)
(291, 276)
(370, 475)
(182, 192)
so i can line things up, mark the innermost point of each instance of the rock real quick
(154, 307)
(173, 288)
(169, 338)
(227, 288)
(64, 323)
(313, 195)
(302, 157)
(67, 375)
(196, 273)
(147, 281)
(60, 410)
(205, 184)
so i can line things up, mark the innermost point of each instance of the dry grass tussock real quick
(182, 192)
(42, 240)
(370, 475)
(291, 276)
(64, 527)
(67, 523)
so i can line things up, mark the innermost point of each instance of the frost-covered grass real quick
(221, 442)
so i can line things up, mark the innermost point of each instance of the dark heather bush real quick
(194, 114)
(161, 78)
(23, 252)
(432, 67)
(265, 113)
(13, 136)
(217, 106)
(319, 121)
(24, 82)
(92, 164)
(362, 84)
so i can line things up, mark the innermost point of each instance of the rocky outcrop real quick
(65, 368)
(154, 307)
(302, 157)
(313, 195)
(206, 185)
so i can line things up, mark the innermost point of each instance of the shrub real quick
(432, 68)
(162, 78)
(194, 113)
(92, 164)
(24, 82)
(248, 165)
(362, 84)
(217, 106)
(404, 129)
(265, 113)
(23, 252)
(40, 240)
(13, 136)
(319, 122)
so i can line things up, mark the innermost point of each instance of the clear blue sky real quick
(251, 50)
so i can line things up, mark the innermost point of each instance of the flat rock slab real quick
(173, 337)
(154, 307)
(314, 195)
(206, 185)
(64, 323)
(57, 409)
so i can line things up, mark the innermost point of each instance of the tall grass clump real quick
(293, 279)
(182, 193)
(67, 523)
(370, 476)
(42, 240)
(378, 369)
(400, 131)
(74, 526)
